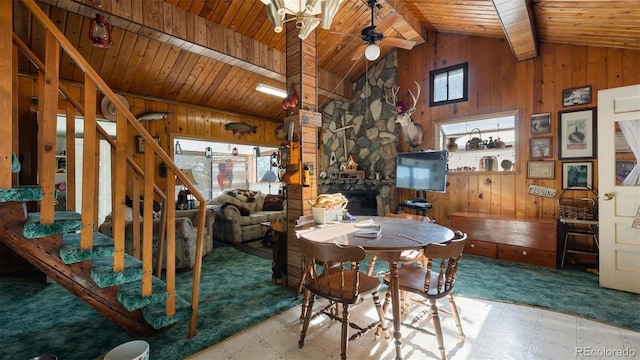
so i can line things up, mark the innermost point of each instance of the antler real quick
(415, 99)
(394, 92)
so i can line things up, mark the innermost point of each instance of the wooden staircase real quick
(65, 245)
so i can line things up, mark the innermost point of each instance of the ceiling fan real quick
(369, 34)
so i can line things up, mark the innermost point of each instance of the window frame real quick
(465, 84)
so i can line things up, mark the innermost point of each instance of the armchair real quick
(186, 236)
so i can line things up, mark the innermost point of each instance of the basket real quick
(578, 208)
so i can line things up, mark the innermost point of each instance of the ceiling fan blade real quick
(387, 22)
(399, 43)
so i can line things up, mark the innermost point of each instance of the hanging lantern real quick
(100, 32)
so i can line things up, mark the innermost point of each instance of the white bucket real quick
(132, 350)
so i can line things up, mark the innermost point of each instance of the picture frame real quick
(140, 143)
(540, 148)
(577, 134)
(576, 96)
(540, 124)
(577, 174)
(541, 169)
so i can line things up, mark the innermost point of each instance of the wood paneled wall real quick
(497, 82)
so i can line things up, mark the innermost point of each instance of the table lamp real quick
(185, 198)
(269, 176)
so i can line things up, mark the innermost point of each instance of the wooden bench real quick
(526, 240)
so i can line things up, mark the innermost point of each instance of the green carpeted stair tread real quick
(130, 294)
(70, 251)
(156, 314)
(21, 193)
(103, 275)
(63, 222)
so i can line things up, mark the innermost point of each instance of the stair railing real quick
(54, 40)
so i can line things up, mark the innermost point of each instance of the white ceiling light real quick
(304, 13)
(372, 52)
(271, 90)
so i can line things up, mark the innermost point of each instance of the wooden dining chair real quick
(434, 281)
(406, 257)
(334, 274)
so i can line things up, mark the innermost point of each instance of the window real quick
(480, 143)
(448, 85)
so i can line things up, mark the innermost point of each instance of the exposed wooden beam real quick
(518, 26)
(409, 27)
(203, 38)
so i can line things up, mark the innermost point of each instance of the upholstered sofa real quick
(186, 235)
(239, 214)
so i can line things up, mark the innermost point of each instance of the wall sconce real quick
(100, 32)
(208, 153)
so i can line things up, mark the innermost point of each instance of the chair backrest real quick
(442, 265)
(337, 263)
(409, 216)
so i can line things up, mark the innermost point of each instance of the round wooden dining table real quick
(396, 236)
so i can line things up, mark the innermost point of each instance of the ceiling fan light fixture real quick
(372, 52)
(307, 14)
(275, 16)
(279, 5)
(271, 90)
(329, 11)
(311, 5)
(308, 25)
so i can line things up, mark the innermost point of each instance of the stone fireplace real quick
(365, 130)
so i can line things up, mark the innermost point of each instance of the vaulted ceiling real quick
(212, 53)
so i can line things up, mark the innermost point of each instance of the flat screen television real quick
(422, 170)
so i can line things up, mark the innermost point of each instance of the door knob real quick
(608, 196)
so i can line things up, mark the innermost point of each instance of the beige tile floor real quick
(493, 330)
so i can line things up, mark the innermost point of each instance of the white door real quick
(619, 182)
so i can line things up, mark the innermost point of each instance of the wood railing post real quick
(47, 123)
(7, 72)
(88, 164)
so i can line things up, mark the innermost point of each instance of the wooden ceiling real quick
(213, 53)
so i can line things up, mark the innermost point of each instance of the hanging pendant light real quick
(100, 32)
(307, 14)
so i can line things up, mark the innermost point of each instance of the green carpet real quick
(73, 330)
(568, 291)
(236, 293)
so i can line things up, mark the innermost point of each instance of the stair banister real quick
(123, 116)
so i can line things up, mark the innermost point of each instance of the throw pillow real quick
(273, 202)
(243, 210)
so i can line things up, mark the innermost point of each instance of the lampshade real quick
(269, 176)
(304, 14)
(189, 174)
(372, 52)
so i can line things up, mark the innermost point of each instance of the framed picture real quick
(623, 169)
(140, 143)
(576, 96)
(540, 148)
(540, 124)
(577, 134)
(541, 169)
(577, 174)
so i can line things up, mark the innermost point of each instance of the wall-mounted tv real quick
(422, 170)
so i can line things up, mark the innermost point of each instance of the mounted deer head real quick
(413, 133)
